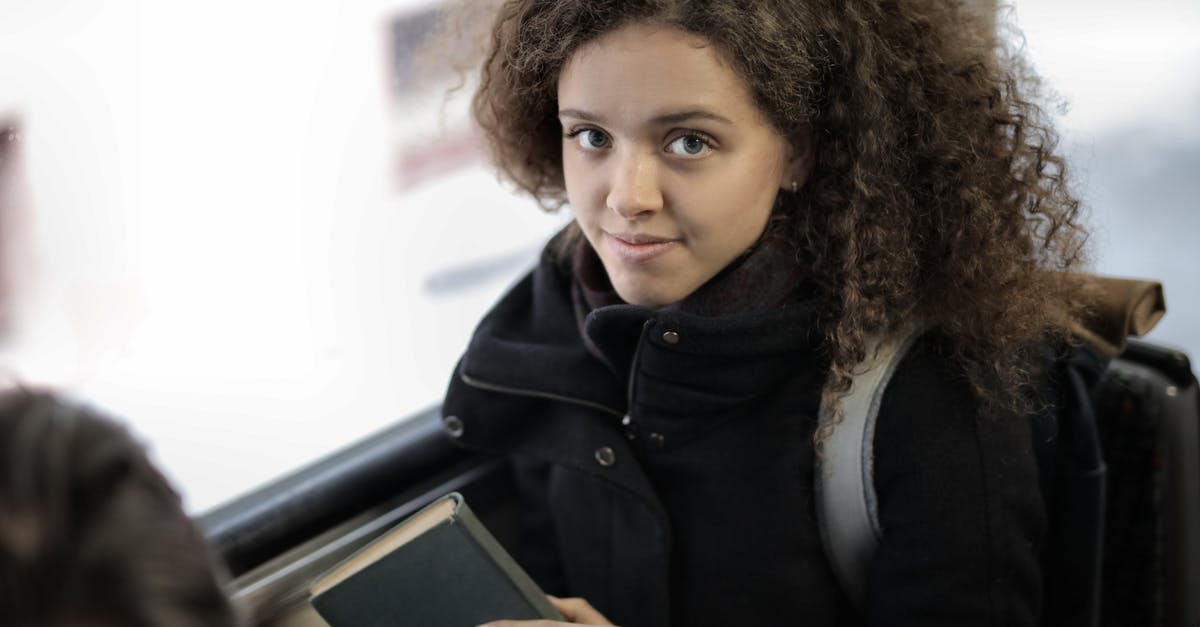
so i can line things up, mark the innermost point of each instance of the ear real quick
(801, 156)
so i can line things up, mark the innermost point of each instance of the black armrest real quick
(264, 523)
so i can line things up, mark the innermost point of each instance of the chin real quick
(649, 297)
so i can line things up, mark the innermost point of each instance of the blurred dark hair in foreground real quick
(91, 533)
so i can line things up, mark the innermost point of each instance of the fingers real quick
(579, 611)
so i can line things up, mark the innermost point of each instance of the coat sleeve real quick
(959, 503)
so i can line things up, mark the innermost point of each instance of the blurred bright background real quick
(243, 228)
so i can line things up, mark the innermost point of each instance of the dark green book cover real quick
(438, 568)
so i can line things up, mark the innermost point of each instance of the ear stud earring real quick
(795, 186)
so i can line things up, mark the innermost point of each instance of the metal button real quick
(453, 426)
(656, 440)
(670, 337)
(605, 456)
(1172, 390)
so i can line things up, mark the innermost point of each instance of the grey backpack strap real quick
(846, 508)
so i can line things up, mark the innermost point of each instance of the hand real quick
(577, 611)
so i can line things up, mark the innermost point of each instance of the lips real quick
(638, 248)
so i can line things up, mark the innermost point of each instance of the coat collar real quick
(545, 339)
(529, 344)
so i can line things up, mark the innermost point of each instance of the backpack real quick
(1118, 462)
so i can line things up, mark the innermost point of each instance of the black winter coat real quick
(667, 475)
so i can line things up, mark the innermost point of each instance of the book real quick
(439, 567)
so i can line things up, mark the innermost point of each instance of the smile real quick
(638, 248)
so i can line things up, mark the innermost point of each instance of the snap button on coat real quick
(453, 426)
(605, 456)
(670, 337)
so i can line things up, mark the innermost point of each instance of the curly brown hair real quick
(936, 195)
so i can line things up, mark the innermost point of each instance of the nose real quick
(635, 191)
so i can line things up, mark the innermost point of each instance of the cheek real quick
(740, 201)
(758, 183)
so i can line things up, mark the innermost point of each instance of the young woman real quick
(758, 189)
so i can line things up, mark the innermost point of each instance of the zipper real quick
(503, 389)
(627, 419)
(626, 416)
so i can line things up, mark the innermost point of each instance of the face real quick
(671, 168)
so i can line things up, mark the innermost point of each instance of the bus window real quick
(260, 234)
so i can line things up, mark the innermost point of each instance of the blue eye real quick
(591, 139)
(689, 146)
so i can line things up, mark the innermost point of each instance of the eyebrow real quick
(668, 118)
